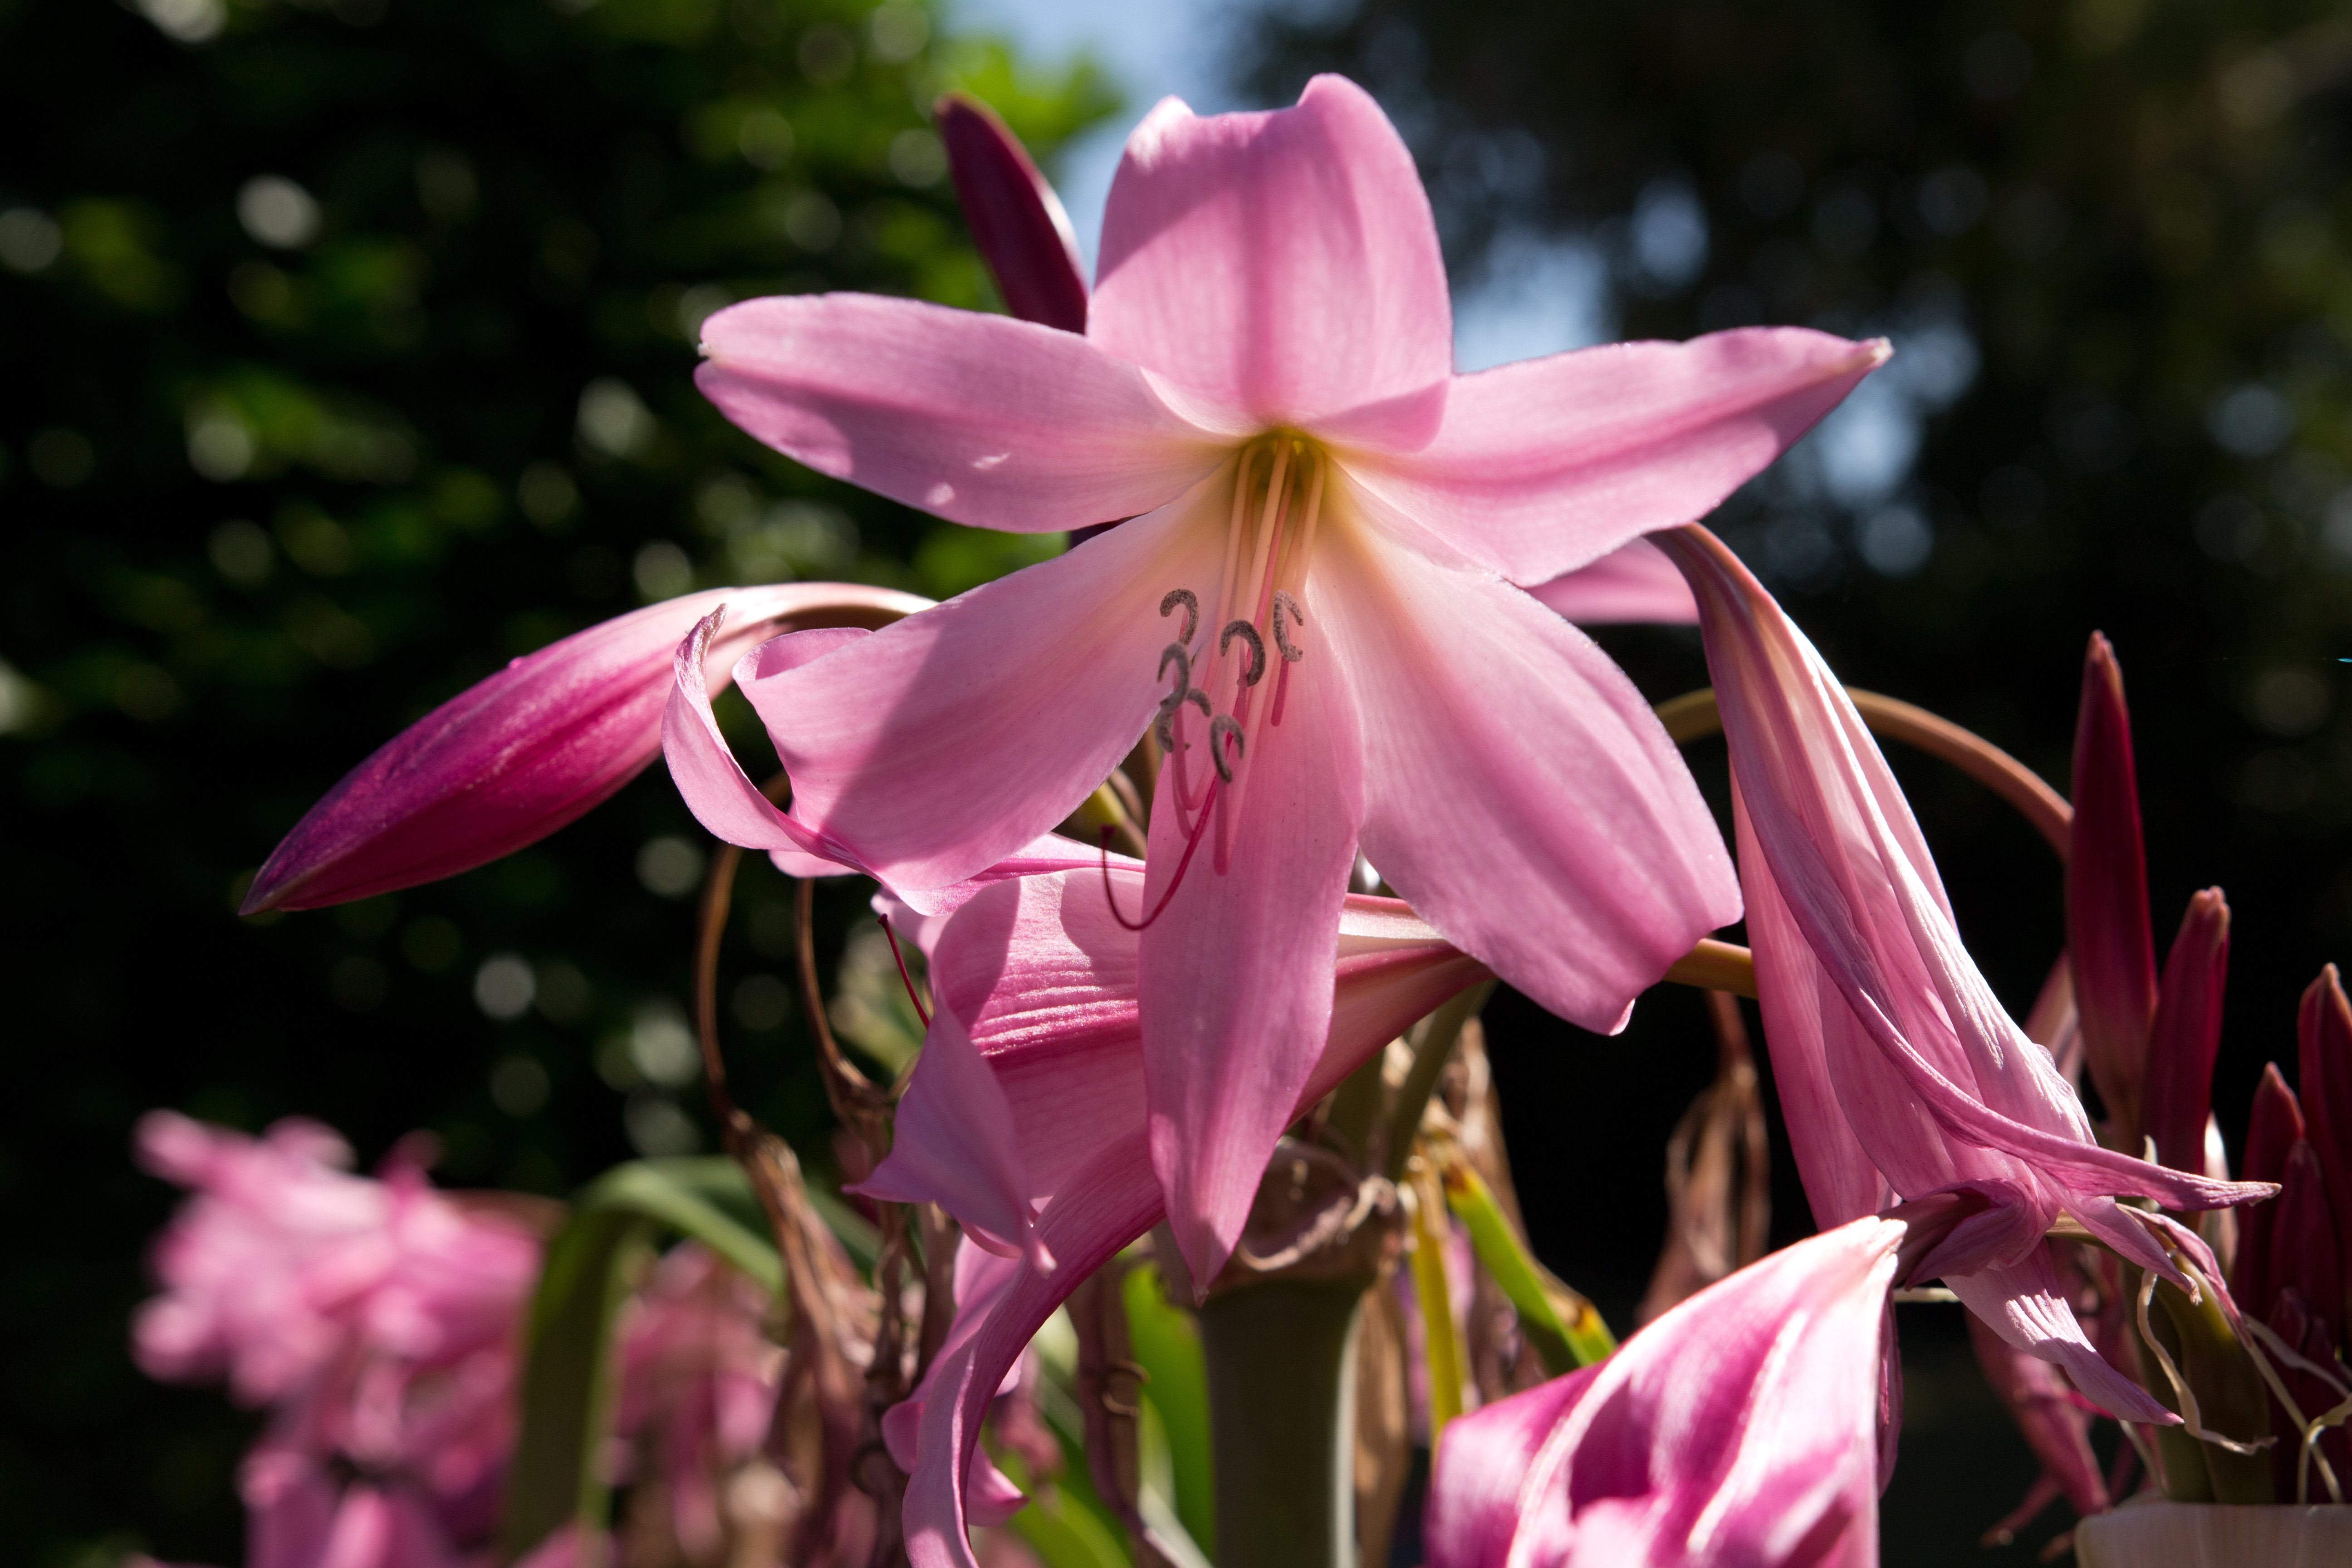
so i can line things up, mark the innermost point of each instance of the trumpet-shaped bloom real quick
(1309, 601)
(1035, 1055)
(1740, 1426)
(508, 762)
(1900, 1072)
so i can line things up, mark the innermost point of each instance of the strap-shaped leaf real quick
(567, 1379)
(1564, 1328)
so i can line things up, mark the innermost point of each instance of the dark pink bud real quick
(508, 762)
(2304, 1254)
(2324, 1072)
(2106, 895)
(2274, 1126)
(1016, 220)
(2187, 1029)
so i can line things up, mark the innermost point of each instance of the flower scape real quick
(1199, 846)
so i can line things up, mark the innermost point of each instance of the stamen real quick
(1283, 601)
(1174, 652)
(1248, 634)
(1164, 725)
(1192, 603)
(1223, 725)
(906, 979)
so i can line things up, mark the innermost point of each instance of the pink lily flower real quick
(380, 1318)
(1900, 1073)
(508, 762)
(1309, 600)
(1026, 1116)
(1740, 1427)
(1635, 582)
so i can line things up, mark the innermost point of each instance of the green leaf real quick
(1166, 1344)
(568, 1377)
(567, 1387)
(1565, 1329)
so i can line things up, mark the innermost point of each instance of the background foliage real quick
(352, 346)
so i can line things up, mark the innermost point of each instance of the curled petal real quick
(509, 761)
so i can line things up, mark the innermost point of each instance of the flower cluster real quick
(1317, 618)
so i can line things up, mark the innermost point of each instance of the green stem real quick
(1431, 1052)
(1281, 1364)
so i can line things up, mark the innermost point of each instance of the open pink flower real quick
(1898, 1070)
(1742, 1426)
(508, 760)
(1310, 598)
(1026, 1118)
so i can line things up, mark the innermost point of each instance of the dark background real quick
(265, 502)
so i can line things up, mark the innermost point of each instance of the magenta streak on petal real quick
(977, 418)
(1017, 222)
(1550, 464)
(1285, 262)
(1739, 1427)
(1633, 582)
(516, 757)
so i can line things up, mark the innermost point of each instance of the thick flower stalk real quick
(1740, 1426)
(1307, 605)
(1899, 1072)
(508, 760)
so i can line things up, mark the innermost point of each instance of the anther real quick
(1174, 654)
(1192, 603)
(1164, 725)
(1248, 634)
(1220, 727)
(1283, 601)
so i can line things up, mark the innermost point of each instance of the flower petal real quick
(1285, 263)
(1633, 582)
(1544, 466)
(1016, 221)
(980, 419)
(713, 783)
(513, 759)
(1237, 969)
(1114, 1199)
(2022, 1304)
(938, 746)
(954, 1144)
(1740, 1427)
(1518, 788)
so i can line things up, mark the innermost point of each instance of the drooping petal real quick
(2056, 1428)
(1518, 790)
(1237, 970)
(953, 1144)
(1542, 467)
(509, 761)
(2021, 1303)
(2107, 932)
(1740, 1427)
(1631, 583)
(1111, 1202)
(1840, 841)
(711, 781)
(1282, 263)
(1017, 222)
(2178, 1087)
(980, 419)
(938, 746)
(1800, 1005)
